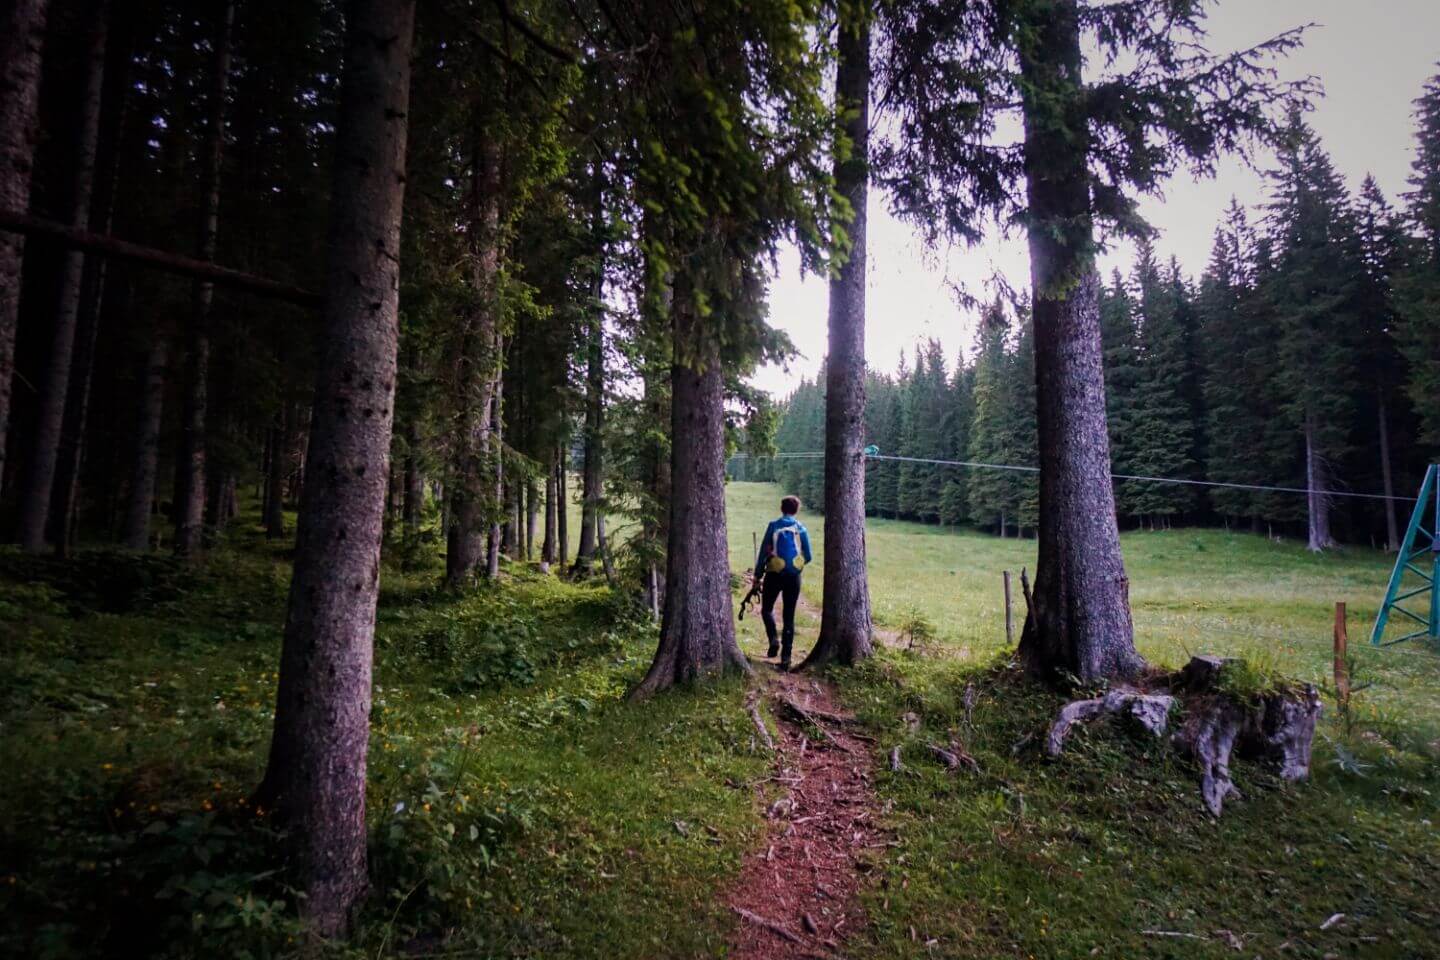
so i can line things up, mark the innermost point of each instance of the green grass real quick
(520, 808)
(1191, 591)
(1078, 857)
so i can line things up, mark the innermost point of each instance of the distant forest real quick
(1307, 355)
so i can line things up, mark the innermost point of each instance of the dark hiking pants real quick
(786, 586)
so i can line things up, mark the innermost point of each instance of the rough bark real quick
(275, 478)
(414, 505)
(1317, 482)
(146, 460)
(49, 426)
(593, 467)
(532, 516)
(655, 376)
(1080, 623)
(114, 99)
(474, 367)
(591, 471)
(550, 545)
(562, 513)
(22, 38)
(190, 494)
(497, 462)
(845, 627)
(697, 630)
(315, 778)
(1392, 527)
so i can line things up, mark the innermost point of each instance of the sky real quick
(1372, 58)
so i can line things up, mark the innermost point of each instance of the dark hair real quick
(790, 506)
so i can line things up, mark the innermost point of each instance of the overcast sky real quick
(1372, 56)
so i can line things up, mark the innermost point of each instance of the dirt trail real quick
(797, 896)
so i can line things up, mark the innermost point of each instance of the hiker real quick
(784, 551)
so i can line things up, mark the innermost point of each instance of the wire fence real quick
(1254, 487)
(977, 465)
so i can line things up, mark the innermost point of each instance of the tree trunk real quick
(845, 630)
(1318, 484)
(315, 778)
(697, 631)
(1392, 528)
(532, 516)
(190, 493)
(414, 482)
(497, 463)
(594, 400)
(551, 544)
(656, 354)
(114, 100)
(562, 509)
(602, 545)
(1080, 623)
(22, 38)
(40, 478)
(275, 478)
(475, 366)
(146, 463)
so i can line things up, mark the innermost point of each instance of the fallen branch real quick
(954, 758)
(775, 927)
(12, 221)
(811, 714)
(753, 708)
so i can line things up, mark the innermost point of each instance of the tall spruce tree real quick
(1418, 332)
(1159, 431)
(988, 491)
(1237, 364)
(960, 67)
(1383, 245)
(316, 775)
(1315, 289)
(1119, 338)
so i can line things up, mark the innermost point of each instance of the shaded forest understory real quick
(519, 808)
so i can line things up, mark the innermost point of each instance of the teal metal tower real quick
(1421, 559)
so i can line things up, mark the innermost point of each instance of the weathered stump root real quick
(1277, 727)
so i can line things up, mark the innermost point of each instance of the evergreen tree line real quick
(1305, 356)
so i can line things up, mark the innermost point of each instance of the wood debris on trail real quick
(798, 892)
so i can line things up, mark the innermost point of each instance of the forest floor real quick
(521, 808)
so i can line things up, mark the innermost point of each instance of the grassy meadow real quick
(1191, 591)
(520, 807)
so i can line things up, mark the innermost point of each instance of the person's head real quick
(790, 506)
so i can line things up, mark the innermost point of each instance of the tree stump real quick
(1276, 726)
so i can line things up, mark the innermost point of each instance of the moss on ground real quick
(519, 808)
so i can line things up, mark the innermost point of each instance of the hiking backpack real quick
(785, 549)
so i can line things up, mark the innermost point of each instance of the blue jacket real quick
(767, 542)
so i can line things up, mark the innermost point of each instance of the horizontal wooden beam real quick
(108, 246)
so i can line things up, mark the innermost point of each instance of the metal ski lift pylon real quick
(1414, 558)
